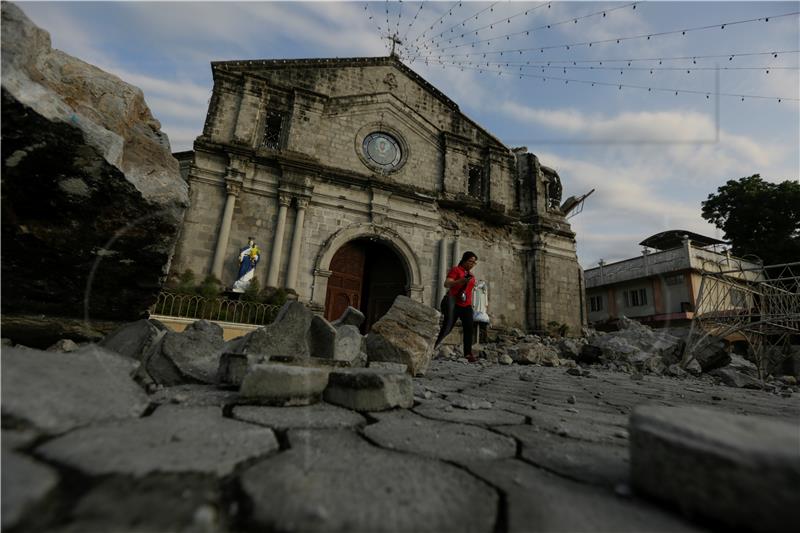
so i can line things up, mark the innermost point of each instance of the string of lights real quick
(374, 21)
(618, 40)
(730, 57)
(463, 23)
(620, 86)
(399, 16)
(438, 21)
(413, 21)
(652, 70)
(573, 20)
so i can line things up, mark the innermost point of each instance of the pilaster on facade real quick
(233, 186)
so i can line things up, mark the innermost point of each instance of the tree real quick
(758, 217)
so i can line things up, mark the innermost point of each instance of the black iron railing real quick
(220, 309)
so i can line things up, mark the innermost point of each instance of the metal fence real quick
(220, 309)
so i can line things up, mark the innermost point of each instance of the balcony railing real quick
(219, 309)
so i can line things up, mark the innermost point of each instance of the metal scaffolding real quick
(758, 305)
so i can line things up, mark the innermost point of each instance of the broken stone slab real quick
(409, 432)
(349, 343)
(711, 354)
(366, 389)
(173, 439)
(740, 364)
(135, 339)
(287, 335)
(350, 317)
(233, 367)
(195, 351)
(321, 338)
(707, 462)
(26, 484)
(87, 386)
(318, 416)
(535, 354)
(538, 500)
(733, 378)
(354, 486)
(84, 143)
(405, 334)
(284, 385)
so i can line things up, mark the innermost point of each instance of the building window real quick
(273, 130)
(677, 279)
(475, 184)
(382, 151)
(636, 298)
(595, 303)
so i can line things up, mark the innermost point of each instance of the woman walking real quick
(457, 302)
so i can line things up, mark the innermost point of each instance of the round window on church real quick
(382, 150)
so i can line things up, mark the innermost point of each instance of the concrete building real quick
(660, 288)
(360, 181)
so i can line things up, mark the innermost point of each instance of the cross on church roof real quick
(394, 40)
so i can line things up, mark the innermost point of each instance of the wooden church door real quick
(344, 285)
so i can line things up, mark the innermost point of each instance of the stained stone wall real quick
(327, 107)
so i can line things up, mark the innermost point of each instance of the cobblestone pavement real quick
(485, 448)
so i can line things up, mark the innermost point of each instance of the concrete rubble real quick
(232, 436)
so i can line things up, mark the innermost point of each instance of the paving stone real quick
(317, 416)
(87, 386)
(590, 462)
(333, 481)
(543, 502)
(350, 344)
(708, 462)
(173, 439)
(405, 334)
(369, 389)
(179, 503)
(13, 439)
(321, 338)
(233, 367)
(406, 431)
(350, 317)
(25, 485)
(195, 395)
(134, 339)
(435, 408)
(283, 385)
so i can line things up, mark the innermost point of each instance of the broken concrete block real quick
(308, 361)
(25, 484)
(233, 367)
(135, 339)
(350, 317)
(405, 334)
(349, 343)
(287, 335)
(63, 346)
(284, 385)
(321, 338)
(711, 354)
(318, 416)
(56, 392)
(733, 378)
(173, 439)
(708, 462)
(366, 389)
(195, 351)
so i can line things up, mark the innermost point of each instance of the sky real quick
(694, 93)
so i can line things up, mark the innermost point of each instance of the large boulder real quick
(92, 198)
(405, 334)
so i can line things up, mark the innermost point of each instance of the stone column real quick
(233, 187)
(443, 267)
(297, 243)
(277, 245)
(456, 248)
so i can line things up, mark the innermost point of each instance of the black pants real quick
(453, 312)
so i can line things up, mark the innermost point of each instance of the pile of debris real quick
(636, 349)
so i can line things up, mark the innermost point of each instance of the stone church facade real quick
(359, 181)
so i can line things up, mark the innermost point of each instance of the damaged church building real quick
(359, 181)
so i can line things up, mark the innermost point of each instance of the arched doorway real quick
(367, 275)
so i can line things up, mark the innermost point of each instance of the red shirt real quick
(456, 273)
